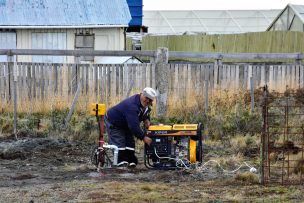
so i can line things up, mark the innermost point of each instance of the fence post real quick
(264, 136)
(13, 70)
(152, 59)
(218, 62)
(161, 80)
(68, 118)
(298, 60)
(206, 109)
(130, 88)
(10, 69)
(252, 93)
(15, 103)
(75, 74)
(206, 96)
(217, 75)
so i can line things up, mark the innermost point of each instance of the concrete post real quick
(161, 80)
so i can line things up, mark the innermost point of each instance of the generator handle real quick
(200, 145)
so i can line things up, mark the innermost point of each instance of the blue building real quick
(136, 10)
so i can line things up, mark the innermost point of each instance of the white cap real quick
(149, 92)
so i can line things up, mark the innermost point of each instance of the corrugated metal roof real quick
(136, 9)
(64, 13)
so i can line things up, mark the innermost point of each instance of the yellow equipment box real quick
(97, 109)
(175, 130)
(173, 146)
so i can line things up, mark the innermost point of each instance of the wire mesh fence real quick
(283, 138)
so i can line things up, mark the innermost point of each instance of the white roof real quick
(299, 11)
(208, 21)
(290, 18)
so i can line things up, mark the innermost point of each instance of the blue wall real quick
(136, 10)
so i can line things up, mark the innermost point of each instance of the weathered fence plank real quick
(297, 82)
(301, 76)
(104, 82)
(3, 76)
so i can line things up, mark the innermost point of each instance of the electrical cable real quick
(251, 169)
(175, 159)
(203, 168)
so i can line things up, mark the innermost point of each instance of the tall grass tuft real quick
(228, 113)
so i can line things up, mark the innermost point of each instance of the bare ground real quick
(56, 170)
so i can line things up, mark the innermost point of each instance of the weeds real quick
(81, 127)
(248, 177)
(228, 115)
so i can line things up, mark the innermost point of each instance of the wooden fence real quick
(253, 42)
(103, 83)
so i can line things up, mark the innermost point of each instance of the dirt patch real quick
(56, 170)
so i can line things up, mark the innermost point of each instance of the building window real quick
(85, 42)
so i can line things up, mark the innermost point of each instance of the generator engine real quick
(173, 146)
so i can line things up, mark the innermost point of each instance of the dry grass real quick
(219, 100)
(240, 143)
(178, 108)
(226, 163)
(56, 102)
(126, 192)
(244, 189)
(212, 142)
(247, 177)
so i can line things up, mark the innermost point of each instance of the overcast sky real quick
(217, 4)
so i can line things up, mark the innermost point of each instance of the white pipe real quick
(115, 152)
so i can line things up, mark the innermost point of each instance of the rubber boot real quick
(122, 159)
(132, 159)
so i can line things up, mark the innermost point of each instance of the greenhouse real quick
(290, 18)
(208, 21)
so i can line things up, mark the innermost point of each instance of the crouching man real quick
(123, 122)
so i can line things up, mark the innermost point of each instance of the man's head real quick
(147, 96)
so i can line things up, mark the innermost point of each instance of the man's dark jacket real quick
(128, 114)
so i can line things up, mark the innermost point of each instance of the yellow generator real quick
(173, 146)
